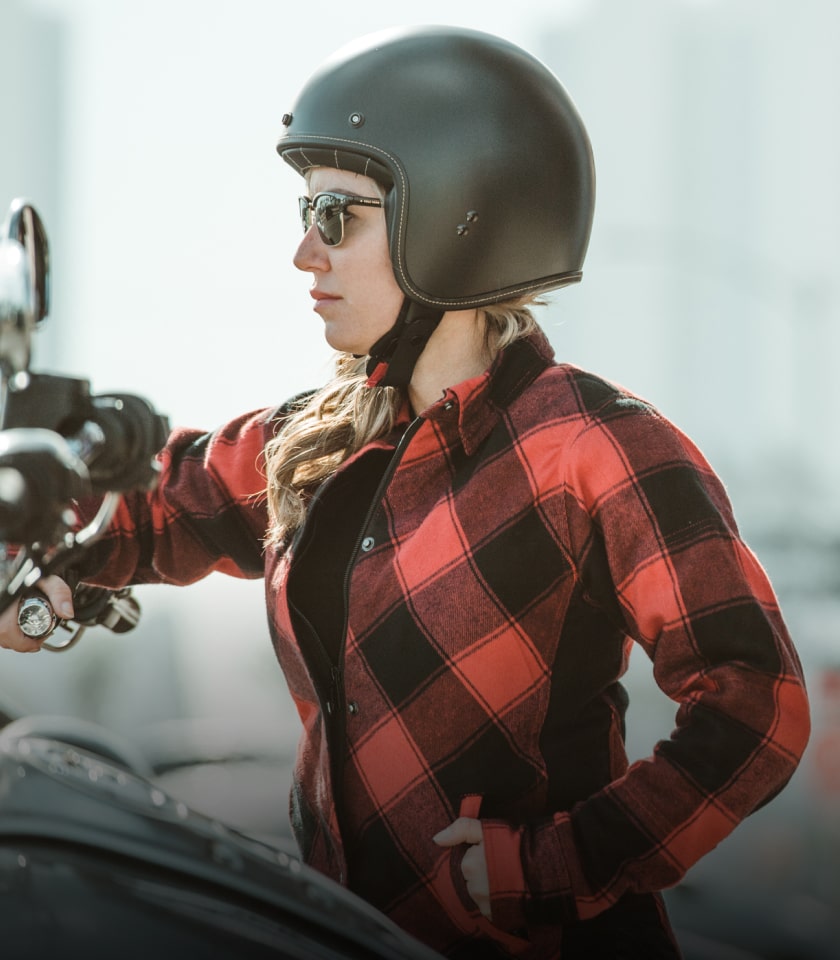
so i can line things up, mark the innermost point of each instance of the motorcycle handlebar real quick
(42, 473)
(58, 444)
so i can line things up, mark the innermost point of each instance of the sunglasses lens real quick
(305, 212)
(329, 218)
(328, 213)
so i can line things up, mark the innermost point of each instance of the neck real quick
(455, 352)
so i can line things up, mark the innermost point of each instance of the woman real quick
(461, 539)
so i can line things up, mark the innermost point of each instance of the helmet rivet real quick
(286, 119)
(462, 230)
(356, 119)
(472, 216)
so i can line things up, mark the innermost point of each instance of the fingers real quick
(474, 869)
(462, 830)
(474, 863)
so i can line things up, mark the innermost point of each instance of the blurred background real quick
(144, 134)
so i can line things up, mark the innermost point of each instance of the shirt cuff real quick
(502, 852)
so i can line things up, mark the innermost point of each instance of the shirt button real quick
(448, 405)
(352, 708)
(367, 544)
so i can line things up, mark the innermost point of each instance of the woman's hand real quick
(13, 638)
(474, 864)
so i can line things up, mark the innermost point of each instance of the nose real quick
(312, 253)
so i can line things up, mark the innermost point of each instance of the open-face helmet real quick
(486, 165)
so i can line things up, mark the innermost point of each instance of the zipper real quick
(338, 695)
(391, 469)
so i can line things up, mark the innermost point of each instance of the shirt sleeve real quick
(207, 513)
(651, 526)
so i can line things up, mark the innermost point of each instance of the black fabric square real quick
(521, 563)
(610, 838)
(399, 656)
(377, 871)
(710, 769)
(738, 632)
(594, 392)
(487, 765)
(679, 503)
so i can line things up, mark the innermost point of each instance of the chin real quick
(342, 346)
(345, 344)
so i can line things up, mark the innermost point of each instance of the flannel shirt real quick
(531, 527)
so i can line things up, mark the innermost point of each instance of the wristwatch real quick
(36, 617)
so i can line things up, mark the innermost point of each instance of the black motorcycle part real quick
(96, 862)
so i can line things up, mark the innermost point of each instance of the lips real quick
(323, 301)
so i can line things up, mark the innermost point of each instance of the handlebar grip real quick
(14, 497)
(98, 606)
(133, 433)
(40, 476)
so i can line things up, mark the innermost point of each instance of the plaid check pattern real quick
(532, 526)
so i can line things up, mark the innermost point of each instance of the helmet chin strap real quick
(392, 358)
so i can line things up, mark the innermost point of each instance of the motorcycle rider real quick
(462, 538)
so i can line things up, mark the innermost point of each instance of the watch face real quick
(36, 617)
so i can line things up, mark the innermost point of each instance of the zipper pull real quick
(333, 704)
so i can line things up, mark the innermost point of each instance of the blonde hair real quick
(325, 428)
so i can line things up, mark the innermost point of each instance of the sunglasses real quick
(329, 210)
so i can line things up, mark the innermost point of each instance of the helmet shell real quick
(487, 165)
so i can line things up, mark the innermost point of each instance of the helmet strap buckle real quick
(392, 358)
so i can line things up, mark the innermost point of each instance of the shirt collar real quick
(475, 405)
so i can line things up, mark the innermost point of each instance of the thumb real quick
(462, 830)
(59, 594)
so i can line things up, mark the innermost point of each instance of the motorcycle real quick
(96, 858)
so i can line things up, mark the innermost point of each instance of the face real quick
(353, 284)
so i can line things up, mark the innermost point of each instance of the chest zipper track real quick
(390, 470)
(337, 723)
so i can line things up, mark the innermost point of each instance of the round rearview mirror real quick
(24, 225)
(16, 308)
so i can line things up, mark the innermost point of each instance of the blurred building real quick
(32, 110)
(713, 283)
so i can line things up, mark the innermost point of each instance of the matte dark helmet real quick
(486, 162)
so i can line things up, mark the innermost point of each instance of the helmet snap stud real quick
(356, 119)
(463, 228)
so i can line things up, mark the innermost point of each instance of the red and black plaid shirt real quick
(533, 524)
